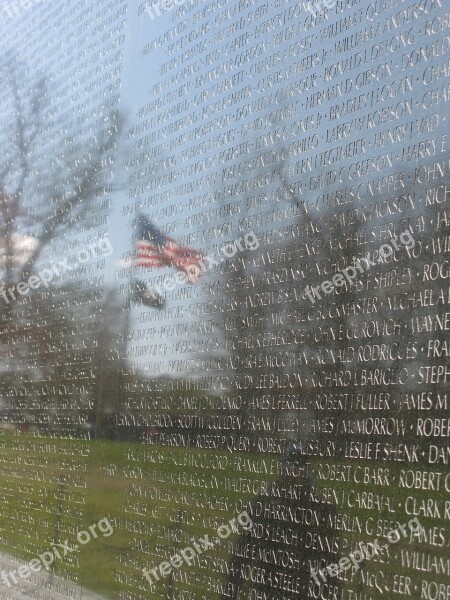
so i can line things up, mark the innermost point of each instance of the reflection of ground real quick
(41, 585)
(158, 498)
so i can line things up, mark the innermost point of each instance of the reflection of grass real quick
(128, 483)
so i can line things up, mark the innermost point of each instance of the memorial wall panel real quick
(224, 300)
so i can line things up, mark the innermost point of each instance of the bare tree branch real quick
(75, 184)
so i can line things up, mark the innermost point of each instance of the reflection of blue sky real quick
(290, 55)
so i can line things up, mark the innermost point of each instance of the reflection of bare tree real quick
(73, 184)
(348, 342)
(362, 351)
(45, 193)
(273, 357)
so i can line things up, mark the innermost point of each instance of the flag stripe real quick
(154, 250)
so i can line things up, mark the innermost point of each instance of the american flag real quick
(154, 250)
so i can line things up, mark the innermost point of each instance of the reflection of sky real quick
(275, 120)
(283, 113)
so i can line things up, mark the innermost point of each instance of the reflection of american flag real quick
(154, 249)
